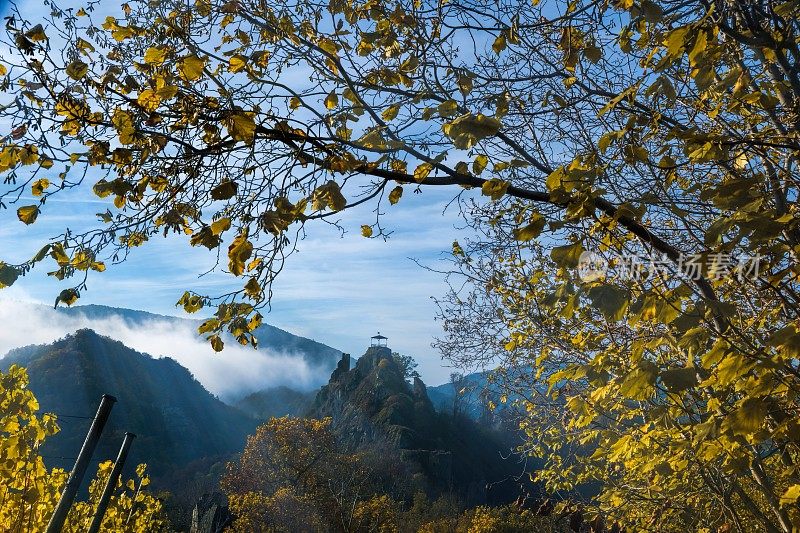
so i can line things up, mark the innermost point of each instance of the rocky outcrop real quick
(210, 514)
(372, 405)
(373, 401)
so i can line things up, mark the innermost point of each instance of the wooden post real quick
(111, 484)
(81, 463)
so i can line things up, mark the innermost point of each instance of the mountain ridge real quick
(268, 336)
(176, 420)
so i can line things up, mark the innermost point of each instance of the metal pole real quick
(111, 484)
(76, 476)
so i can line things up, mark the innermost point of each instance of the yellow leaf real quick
(3, 70)
(68, 296)
(36, 33)
(366, 231)
(191, 302)
(28, 214)
(499, 44)
(395, 195)
(252, 288)
(209, 325)
(464, 84)
(373, 139)
(123, 122)
(120, 33)
(331, 101)
(479, 164)
(38, 187)
(555, 179)
(610, 300)
(237, 63)
(216, 343)
(155, 56)
(294, 103)
(225, 190)
(468, 129)
(732, 367)
(77, 70)
(605, 140)
(260, 58)
(567, 256)
(329, 46)
(592, 53)
(398, 165)
(57, 252)
(221, 225)
(679, 379)
(205, 237)
(29, 155)
(700, 44)
(8, 275)
(329, 195)
(676, 41)
(191, 67)
(531, 231)
(448, 108)
(149, 100)
(254, 322)
(167, 92)
(241, 127)
(422, 171)
(390, 113)
(639, 383)
(791, 495)
(494, 188)
(239, 252)
(747, 419)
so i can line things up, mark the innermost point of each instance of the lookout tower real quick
(378, 340)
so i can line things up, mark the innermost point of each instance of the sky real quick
(338, 290)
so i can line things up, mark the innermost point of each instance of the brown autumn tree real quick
(292, 476)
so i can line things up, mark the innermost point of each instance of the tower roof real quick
(379, 336)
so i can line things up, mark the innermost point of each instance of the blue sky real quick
(337, 290)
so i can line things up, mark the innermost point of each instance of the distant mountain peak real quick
(373, 400)
(269, 336)
(90, 335)
(373, 404)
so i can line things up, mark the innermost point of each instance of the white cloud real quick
(232, 373)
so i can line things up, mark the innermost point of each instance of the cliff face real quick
(373, 401)
(372, 404)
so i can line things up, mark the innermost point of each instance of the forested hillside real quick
(175, 419)
(276, 401)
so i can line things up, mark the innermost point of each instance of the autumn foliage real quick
(667, 130)
(294, 476)
(29, 491)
